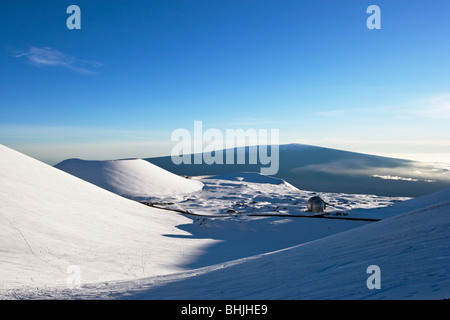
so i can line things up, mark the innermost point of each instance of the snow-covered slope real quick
(412, 251)
(50, 220)
(419, 202)
(133, 178)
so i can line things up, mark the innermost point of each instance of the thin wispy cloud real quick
(47, 56)
(249, 121)
(55, 134)
(437, 107)
(331, 113)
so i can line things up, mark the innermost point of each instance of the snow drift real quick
(132, 178)
(50, 220)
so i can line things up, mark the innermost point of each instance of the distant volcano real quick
(330, 170)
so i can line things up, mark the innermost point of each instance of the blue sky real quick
(137, 70)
